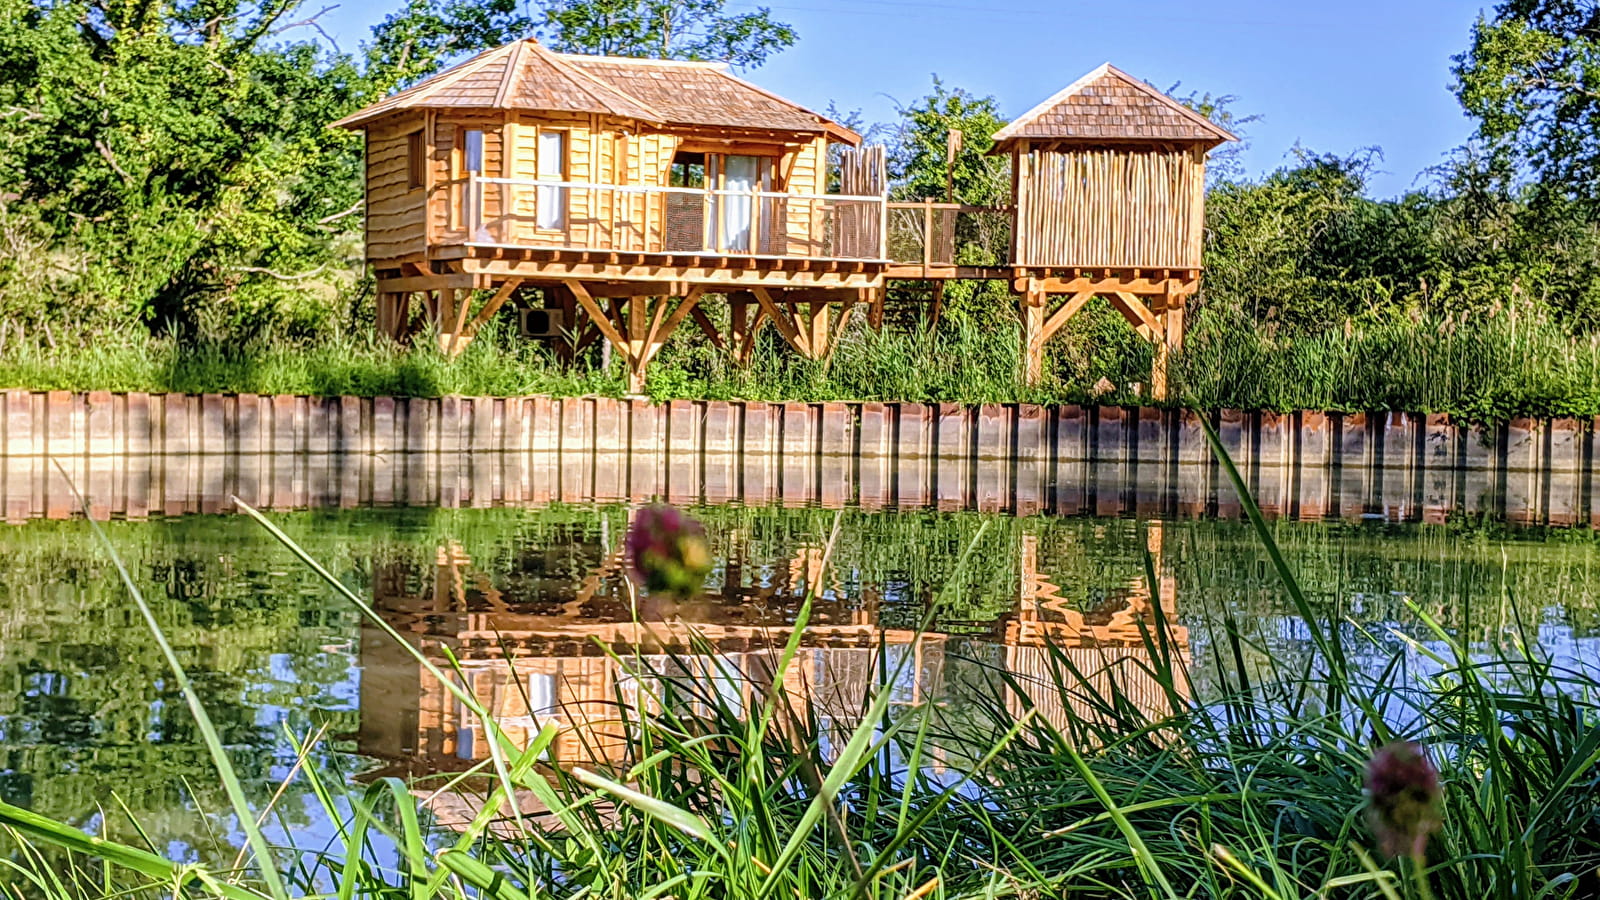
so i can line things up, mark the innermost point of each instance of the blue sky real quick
(1333, 77)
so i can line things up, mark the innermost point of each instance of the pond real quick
(91, 720)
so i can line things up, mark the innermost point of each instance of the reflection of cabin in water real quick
(571, 658)
(604, 197)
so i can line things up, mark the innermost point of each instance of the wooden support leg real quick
(633, 354)
(384, 322)
(709, 329)
(1171, 339)
(817, 330)
(454, 323)
(445, 318)
(739, 326)
(936, 309)
(875, 308)
(1033, 300)
(783, 320)
(1158, 365)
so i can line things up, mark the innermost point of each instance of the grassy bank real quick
(1482, 369)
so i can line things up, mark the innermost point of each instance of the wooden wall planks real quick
(137, 453)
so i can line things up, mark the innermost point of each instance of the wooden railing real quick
(510, 212)
(923, 233)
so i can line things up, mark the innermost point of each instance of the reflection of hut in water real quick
(578, 654)
(577, 658)
(1108, 644)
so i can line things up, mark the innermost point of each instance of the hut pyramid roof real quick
(1108, 104)
(523, 75)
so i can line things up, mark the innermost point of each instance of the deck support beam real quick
(637, 326)
(1154, 308)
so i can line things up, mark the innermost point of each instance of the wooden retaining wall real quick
(137, 454)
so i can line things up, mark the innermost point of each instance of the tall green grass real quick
(1486, 368)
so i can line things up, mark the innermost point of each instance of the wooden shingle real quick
(525, 76)
(1109, 105)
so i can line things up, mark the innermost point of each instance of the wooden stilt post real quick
(739, 326)
(937, 308)
(404, 327)
(1170, 339)
(1033, 300)
(875, 308)
(638, 328)
(1158, 365)
(817, 325)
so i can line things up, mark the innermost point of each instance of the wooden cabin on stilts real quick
(618, 192)
(604, 198)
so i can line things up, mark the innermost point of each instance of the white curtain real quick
(738, 212)
(552, 202)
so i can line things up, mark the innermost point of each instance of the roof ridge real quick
(1163, 97)
(643, 60)
(513, 66)
(424, 88)
(575, 73)
(1095, 74)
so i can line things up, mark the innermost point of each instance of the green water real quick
(90, 720)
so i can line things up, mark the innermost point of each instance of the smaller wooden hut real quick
(1108, 185)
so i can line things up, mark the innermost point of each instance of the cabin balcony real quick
(698, 226)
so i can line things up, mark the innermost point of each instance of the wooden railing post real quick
(884, 226)
(927, 235)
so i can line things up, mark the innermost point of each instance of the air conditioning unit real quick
(542, 323)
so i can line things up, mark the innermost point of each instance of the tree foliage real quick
(1531, 79)
(419, 38)
(666, 29)
(156, 155)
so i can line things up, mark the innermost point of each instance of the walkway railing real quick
(923, 233)
(510, 212)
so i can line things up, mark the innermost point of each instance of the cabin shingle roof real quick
(1111, 105)
(525, 76)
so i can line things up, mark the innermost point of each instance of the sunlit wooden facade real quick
(610, 195)
(620, 190)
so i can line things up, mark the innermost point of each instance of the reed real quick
(1485, 369)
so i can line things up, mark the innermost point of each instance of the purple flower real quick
(668, 551)
(1403, 799)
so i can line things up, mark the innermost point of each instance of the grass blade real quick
(208, 730)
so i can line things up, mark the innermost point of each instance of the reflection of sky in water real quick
(92, 710)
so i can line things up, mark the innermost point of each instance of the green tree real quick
(666, 29)
(427, 34)
(917, 157)
(918, 170)
(171, 162)
(1531, 78)
(424, 35)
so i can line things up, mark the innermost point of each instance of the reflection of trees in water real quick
(88, 708)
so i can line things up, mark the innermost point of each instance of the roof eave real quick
(841, 134)
(1002, 147)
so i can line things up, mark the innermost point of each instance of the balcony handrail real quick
(474, 184)
(668, 189)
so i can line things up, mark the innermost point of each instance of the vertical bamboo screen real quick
(858, 226)
(1103, 206)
